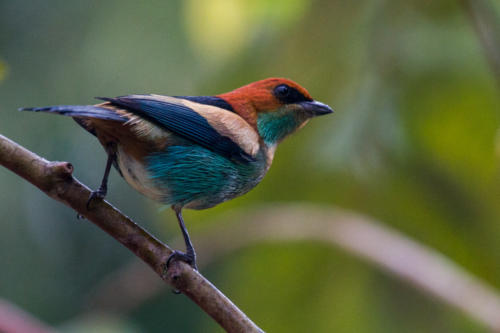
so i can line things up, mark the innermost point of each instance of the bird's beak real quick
(315, 108)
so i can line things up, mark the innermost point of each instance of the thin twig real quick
(56, 180)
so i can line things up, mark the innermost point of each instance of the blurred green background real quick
(414, 143)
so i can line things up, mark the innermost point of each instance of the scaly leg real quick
(190, 255)
(100, 193)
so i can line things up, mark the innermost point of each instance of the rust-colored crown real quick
(258, 96)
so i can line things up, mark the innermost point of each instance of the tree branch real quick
(56, 180)
(413, 263)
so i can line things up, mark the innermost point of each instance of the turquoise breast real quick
(194, 177)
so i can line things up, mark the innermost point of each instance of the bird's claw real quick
(181, 256)
(95, 195)
(187, 258)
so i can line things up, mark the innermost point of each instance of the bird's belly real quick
(197, 178)
(136, 174)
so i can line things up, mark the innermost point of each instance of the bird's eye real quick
(289, 95)
(282, 90)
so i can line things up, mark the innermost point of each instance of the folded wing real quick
(209, 126)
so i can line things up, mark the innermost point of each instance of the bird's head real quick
(275, 107)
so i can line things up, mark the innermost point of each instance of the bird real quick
(194, 152)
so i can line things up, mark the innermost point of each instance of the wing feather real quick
(189, 122)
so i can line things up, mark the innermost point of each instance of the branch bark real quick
(56, 180)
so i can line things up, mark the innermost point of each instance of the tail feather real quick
(88, 111)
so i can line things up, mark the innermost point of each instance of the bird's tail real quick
(84, 111)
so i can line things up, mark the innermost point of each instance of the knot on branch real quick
(175, 274)
(58, 173)
(61, 170)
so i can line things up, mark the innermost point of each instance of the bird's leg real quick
(190, 255)
(100, 193)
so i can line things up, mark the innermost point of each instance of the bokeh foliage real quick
(414, 143)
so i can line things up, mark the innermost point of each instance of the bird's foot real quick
(96, 195)
(188, 258)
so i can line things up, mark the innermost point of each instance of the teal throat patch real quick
(275, 126)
